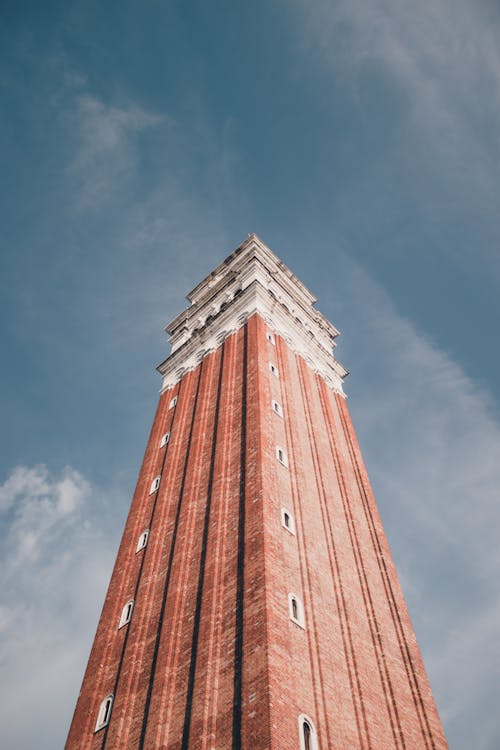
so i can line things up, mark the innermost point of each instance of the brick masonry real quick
(211, 658)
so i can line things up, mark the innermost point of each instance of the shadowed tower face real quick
(254, 602)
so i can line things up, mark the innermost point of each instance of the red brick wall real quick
(211, 658)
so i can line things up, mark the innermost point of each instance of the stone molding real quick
(252, 280)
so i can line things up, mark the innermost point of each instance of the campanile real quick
(254, 602)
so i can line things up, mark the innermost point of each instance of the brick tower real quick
(254, 603)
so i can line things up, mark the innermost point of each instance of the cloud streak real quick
(444, 53)
(440, 61)
(105, 155)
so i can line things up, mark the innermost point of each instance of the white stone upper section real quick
(251, 280)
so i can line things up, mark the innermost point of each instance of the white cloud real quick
(440, 60)
(23, 481)
(431, 446)
(41, 508)
(105, 156)
(155, 223)
(445, 53)
(54, 567)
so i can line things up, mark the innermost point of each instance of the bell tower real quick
(254, 602)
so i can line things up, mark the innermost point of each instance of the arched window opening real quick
(287, 520)
(273, 370)
(154, 484)
(277, 408)
(104, 713)
(296, 610)
(165, 439)
(281, 455)
(173, 402)
(306, 728)
(126, 615)
(307, 734)
(142, 541)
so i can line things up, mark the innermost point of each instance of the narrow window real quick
(277, 408)
(126, 615)
(287, 520)
(307, 734)
(172, 403)
(281, 456)
(165, 439)
(154, 485)
(296, 610)
(142, 541)
(274, 370)
(104, 713)
(270, 338)
(306, 728)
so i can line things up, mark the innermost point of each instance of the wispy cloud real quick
(105, 154)
(41, 508)
(444, 53)
(54, 566)
(440, 60)
(136, 234)
(431, 446)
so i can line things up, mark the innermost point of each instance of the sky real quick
(140, 142)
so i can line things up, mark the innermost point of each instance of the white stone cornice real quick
(251, 280)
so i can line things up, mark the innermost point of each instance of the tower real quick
(254, 602)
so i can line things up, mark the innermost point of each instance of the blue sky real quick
(140, 143)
